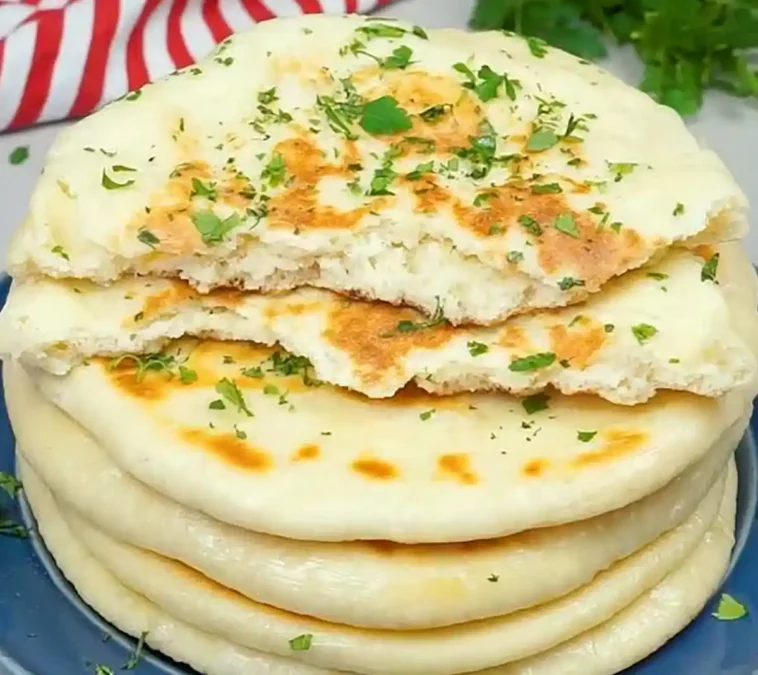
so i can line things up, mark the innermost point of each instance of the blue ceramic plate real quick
(46, 630)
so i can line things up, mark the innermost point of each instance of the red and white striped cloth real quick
(65, 58)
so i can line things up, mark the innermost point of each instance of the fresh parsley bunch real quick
(685, 45)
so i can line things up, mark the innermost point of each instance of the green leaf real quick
(109, 184)
(9, 484)
(542, 139)
(585, 436)
(147, 237)
(230, 392)
(477, 348)
(467, 73)
(530, 225)
(565, 223)
(19, 155)
(532, 362)
(400, 59)
(729, 609)
(187, 375)
(643, 332)
(535, 403)
(301, 643)
(374, 30)
(567, 283)
(212, 229)
(384, 116)
(710, 268)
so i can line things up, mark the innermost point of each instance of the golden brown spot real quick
(307, 452)
(368, 333)
(704, 251)
(229, 449)
(457, 467)
(417, 91)
(514, 337)
(535, 467)
(165, 302)
(151, 386)
(291, 309)
(616, 443)
(376, 469)
(429, 195)
(298, 206)
(579, 343)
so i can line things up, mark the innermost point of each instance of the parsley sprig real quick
(686, 46)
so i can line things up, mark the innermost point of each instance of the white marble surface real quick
(727, 125)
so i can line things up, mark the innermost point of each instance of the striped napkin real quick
(66, 58)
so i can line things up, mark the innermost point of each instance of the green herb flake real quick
(643, 332)
(514, 257)
(229, 391)
(384, 116)
(565, 223)
(407, 326)
(120, 168)
(19, 155)
(419, 32)
(301, 643)
(147, 237)
(212, 229)
(275, 172)
(399, 60)
(382, 30)
(493, 578)
(467, 73)
(427, 414)
(532, 362)
(609, 327)
(435, 113)
(535, 403)
(134, 95)
(621, 169)
(109, 184)
(710, 268)
(678, 209)
(729, 609)
(585, 436)
(421, 170)
(567, 283)
(530, 225)
(477, 348)
(103, 670)
(546, 189)
(255, 372)
(9, 484)
(136, 655)
(59, 250)
(542, 139)
(187, 375)
(537, 47)
(200, 189)
(267, 96)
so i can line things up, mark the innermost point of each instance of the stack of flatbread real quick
(361, 348)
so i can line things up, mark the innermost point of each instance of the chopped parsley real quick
(267, 96)
(427, 414)
(535, 403)
(514, 257)
(678, 209)
(546, 189)
(493, 578)
(59, 250)
(342, 113)
(382, 30)
(275, 172)
(643, 332)
(658, 276)
(708, 273)
(134, 95)
(187, 375)
(621, 169)
(301, 643)
(19, 155)
(229, 391)
(532, 362)
(144, 363)
(585, 436)
(147, 237)
(609, 328)
(486, 86)
(407, 326)
(567, 283)
(103, 670)
(398, 60)
(477, 348)
(729, 609)
(420, 171)
(200, 189)
(136, 655)
(218, 404)
(537, 47)
(9, 484)
(109, 184)
(530, 225)
(542, 139)
(565, 223)
(384, 116)
(212, 229)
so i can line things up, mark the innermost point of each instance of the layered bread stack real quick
(361, 348)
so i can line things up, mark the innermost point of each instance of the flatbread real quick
(626, 638)
(372, 584)
(667, 326)
(241, 433)
(193, 598)
(315, 170)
